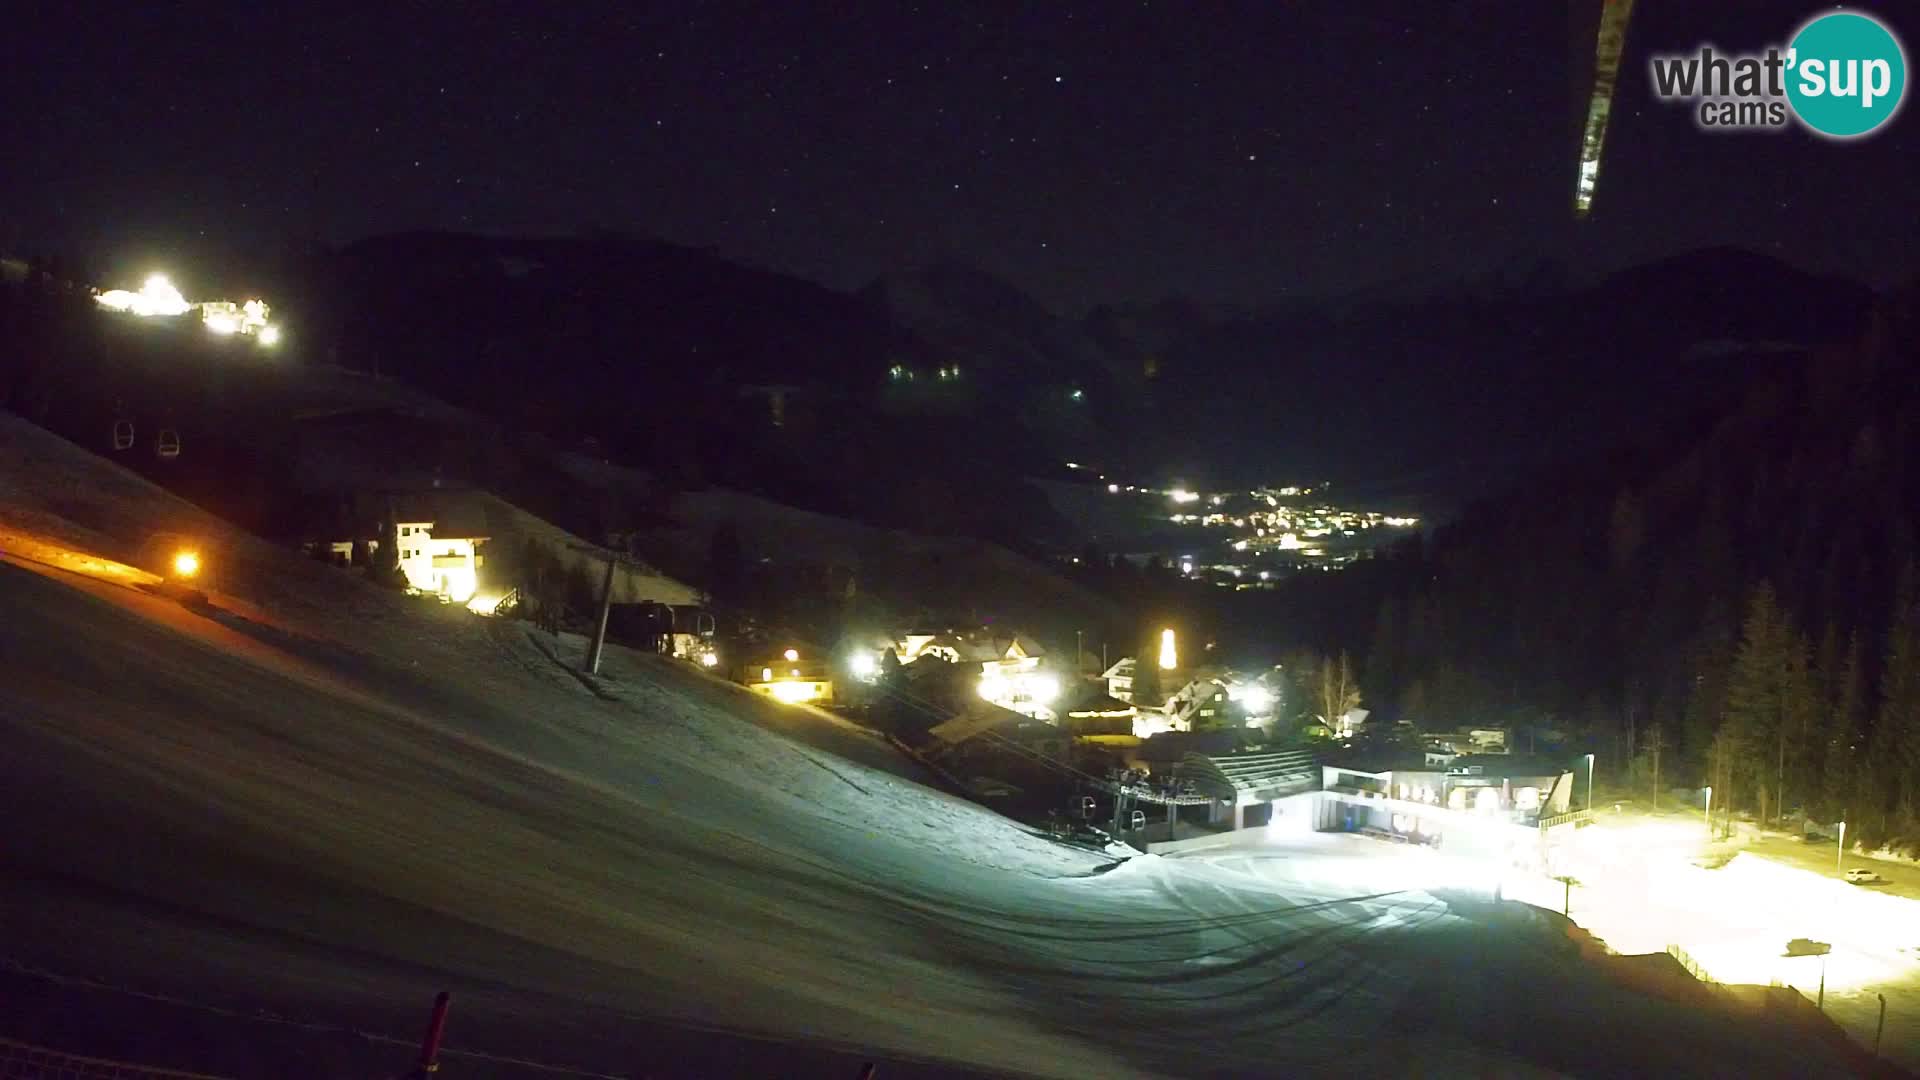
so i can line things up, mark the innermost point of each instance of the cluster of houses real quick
(990, 707)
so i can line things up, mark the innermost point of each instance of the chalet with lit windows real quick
(439, 541)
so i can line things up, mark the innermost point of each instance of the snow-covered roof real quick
(1228, 774)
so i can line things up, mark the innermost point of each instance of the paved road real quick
(1903, 878)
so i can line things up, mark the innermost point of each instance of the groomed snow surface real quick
(316, 821)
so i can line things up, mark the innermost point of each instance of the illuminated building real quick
(448, 566)
(793, 677)
(158, 298)
(1492, 802)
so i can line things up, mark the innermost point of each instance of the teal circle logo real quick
(1847, 74)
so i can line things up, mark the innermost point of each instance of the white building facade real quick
(448, 566)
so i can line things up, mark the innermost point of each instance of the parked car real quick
(1860, 875)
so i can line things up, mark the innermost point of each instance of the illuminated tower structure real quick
(1610, 43)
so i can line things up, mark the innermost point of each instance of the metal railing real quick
(1687, 961)
(25, 1061)
(1573, 818)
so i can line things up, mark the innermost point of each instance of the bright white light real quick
(1257, 699)
(485, 603)
(863, 664)
(160, 298)
(1113, 489)
(186, 564)
(156, 297)
(794, 692)
(792, 655)
(223, 324)
(1043, 689)
(766, 674)
(1169, 657)
(1182, 495)
(994, 688)
(269, 335)
(708, 659)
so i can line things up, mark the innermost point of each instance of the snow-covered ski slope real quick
(320, 802)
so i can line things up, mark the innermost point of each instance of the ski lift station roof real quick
(1242, 777)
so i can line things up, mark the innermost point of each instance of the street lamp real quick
(1840, 849)
(1589, 783)
(1709, 814)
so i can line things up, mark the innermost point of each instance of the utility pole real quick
(1880, 1028)
(600, 628)
(1780, 776)
(1656, 765)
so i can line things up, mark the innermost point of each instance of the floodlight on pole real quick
(1840, 848)
(1590, 762)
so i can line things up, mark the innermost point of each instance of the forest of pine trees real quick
(1733, 605)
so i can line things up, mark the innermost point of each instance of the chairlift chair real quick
(122, 434)
(168, 445)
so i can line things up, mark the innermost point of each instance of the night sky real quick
(1088, 152)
